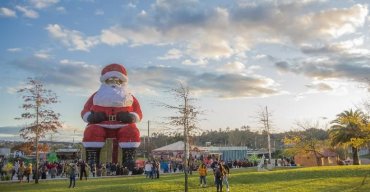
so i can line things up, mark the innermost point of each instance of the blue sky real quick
(305, 60)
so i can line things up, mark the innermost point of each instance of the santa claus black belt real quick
(112, 117)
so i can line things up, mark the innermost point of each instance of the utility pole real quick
(148, 142)
(73, 139)
(255, 142)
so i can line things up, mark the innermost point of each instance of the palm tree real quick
(347, 128)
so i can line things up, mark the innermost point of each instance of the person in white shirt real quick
(148, 169)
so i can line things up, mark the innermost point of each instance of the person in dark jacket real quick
(83, 167)
(219, 174)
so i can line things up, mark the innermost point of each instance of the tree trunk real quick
(356, 159)
(318, 159)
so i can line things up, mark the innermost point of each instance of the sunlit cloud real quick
(16, 49)
(73, 39)
(42, 54)
(172, 54)
(27, 12)
(321, 87)
(222, 85)
(112, 37)
(41, 4)
(6, 12)
(66, 73)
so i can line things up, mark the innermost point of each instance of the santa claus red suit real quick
(112, 111)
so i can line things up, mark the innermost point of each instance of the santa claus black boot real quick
(92, 156)
(128, 158)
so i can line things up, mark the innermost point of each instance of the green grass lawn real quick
(335, 178)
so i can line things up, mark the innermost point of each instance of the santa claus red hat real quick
(113, 70)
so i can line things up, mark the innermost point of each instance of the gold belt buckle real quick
(112, 117)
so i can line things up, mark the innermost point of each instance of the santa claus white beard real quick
(108, 96)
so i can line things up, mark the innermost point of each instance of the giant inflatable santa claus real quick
(111, 112)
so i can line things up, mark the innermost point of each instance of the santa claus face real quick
(114, 82)
(113, 95)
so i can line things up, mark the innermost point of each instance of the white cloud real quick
(131, 5)
(14, 89)
(62, 73)
(333, 22)
(233, 67)
(42, 55)
(27, 12)
(16, 49)
(71, 62)
(73, 39)
(222, 85)
(40, 4)
(321, 87)
(210, 47)
(172, 54)
(5, 12)
(224, 32)
(61, 9)
(99, 12)
(199, 62)
(112, 37)
(143, 13)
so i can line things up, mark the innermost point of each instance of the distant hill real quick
(10, 130)
(10, 133)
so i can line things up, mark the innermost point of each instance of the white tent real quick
(176, 150)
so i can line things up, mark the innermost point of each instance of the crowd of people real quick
(221, 172)
(151, 169)
(21, 170)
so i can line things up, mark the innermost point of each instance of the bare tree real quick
(186, 117)
(36, 100)
(264, 119)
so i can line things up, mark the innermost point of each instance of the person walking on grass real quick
(202, 175)
(83, 167)
(28, 172)
(147, 169)
(219, 174)
(15, 169)
(226, 169)
(21, 171)
(72, 174)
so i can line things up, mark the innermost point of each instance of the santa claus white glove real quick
(96, 117)
(126, 117)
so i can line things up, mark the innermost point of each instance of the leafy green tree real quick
(350, 128)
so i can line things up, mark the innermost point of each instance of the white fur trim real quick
(137, 118)
(108, 96)
(112, 126)
(86, 115)
(129, 144)
(93, 144)
(110, 74)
